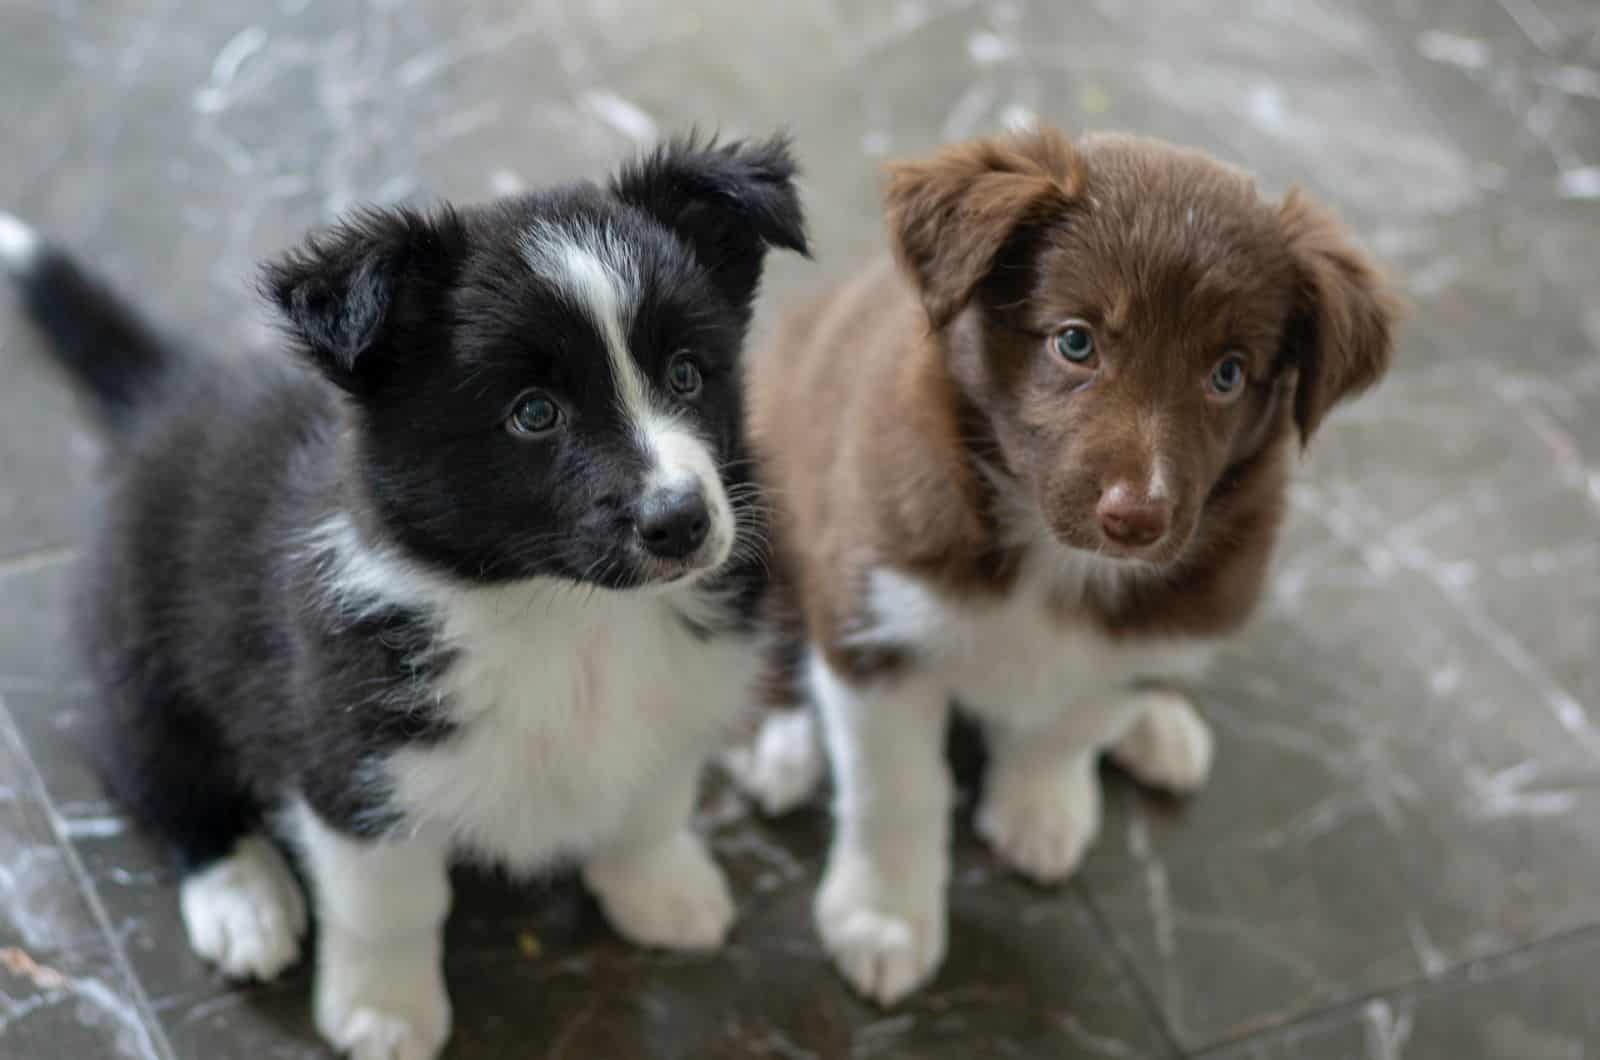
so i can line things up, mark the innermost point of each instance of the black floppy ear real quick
(355, 293)
(730, 202)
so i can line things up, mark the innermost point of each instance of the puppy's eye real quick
(1227, 378)
(1075, 343)
(683, 374)
(534, 414)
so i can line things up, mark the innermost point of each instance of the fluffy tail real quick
(100, 341)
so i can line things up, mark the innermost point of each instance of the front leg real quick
(656, 881)
(1041, 798)
(784, 764)
(381, 907)
(881, 906)
(1169, 745)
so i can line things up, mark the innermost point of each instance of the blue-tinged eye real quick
(1075, 343)
(535, 414)
(683, 375)
(1228, 377)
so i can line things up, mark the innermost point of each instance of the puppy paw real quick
(1169, 747)
(1042, 820)
(381, 1003)
(784, 765)
(673, 897)
(886, 938)
(245, 913)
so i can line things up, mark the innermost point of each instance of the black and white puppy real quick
(473, 574)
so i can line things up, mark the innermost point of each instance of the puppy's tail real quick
(101, 342)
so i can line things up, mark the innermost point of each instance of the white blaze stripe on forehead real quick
(593, 269)
(1160, 482)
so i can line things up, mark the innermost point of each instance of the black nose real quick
(672, 523)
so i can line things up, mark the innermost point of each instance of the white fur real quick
(19, 244)
(1013, 661)
(245, 913)
(1160, 481)
(784, 765)
(576, 708)
(596, 271)
(1041, 800)
(381, 908)
(682, 460)
(657, 882)
(582, 718)
(1170, 746)
(880, 908)
(1051, 697)
(1047, 670)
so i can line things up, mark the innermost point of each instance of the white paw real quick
(673, 896)
(886, 938)
(245, 914)
(381, 1003)
(1041, 820)
(784, 765)
(1169, 747)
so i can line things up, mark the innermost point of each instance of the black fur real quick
(730, 202)
(112, 354)
(228, 677)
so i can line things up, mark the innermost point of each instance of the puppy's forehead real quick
(1171, 232)
(591, 267)
(575, 284)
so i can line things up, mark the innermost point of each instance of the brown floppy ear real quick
(1340, 333)
(949, 215)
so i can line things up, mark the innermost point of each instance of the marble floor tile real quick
(1398, 855)
(1530, 1006)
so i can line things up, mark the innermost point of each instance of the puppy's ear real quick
(1340, 334)
(356, 295)
(950, 215)
(729, 202)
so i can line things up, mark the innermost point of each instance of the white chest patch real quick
(572, 707)
(1022, 659)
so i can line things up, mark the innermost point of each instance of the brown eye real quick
(1075, 343)
(1227, 378)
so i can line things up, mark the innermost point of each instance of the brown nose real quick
(1132, 519)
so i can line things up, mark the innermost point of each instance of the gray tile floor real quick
(1400, 856)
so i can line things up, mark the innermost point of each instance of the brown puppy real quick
(1037, 467)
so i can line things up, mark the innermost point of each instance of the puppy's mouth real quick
(668, 572)
(1156, 553)
(1160, 554)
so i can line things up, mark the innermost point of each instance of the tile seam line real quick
(1145, 995)
(91, 893)
(1454, 975)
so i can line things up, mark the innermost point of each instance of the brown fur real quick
(873, 408)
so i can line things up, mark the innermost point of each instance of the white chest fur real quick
(1025, 658)
(571, 709)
